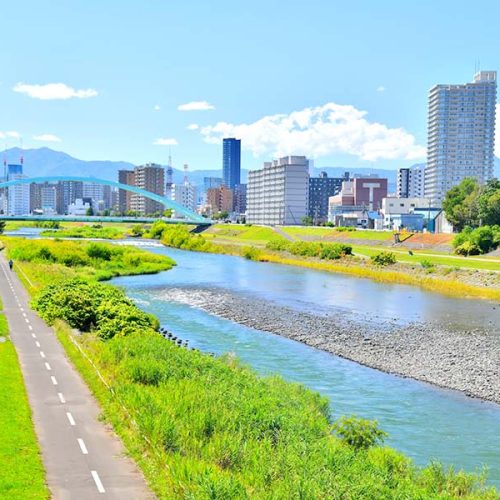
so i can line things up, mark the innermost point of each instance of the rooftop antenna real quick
(21, 158)
(5, 161)
(170, 174)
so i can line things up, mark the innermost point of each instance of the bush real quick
(92, 306)
(477, 241)
(383, 258)
(99, 251)
(321, 250)
(427, 265)
(251, 253)
(359, 433)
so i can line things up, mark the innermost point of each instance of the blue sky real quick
(344, 82)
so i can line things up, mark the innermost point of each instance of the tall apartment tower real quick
(231, 162)
(461, 134)
(150, 177)
(278, 194)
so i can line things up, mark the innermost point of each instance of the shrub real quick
(359, 433)
(251, 253)
(137, 230)
(92, 306)
(467, 248)
(383, 258)
(99, 251)
(477, 241)
(427, 264)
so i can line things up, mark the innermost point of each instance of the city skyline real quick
(115, 97)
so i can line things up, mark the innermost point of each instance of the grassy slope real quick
(227, 240)
(232, 234)
(21, 470)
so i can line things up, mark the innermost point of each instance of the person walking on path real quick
(11, 264)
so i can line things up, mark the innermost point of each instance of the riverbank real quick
(467, 361)
(254, 243)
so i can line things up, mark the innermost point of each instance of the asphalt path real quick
(82, 456)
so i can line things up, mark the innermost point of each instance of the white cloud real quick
(11, 134)
(53, 91)
(157, 108)
(165, 141)
(196, 106)
(47, 138)
(381, 88)
(320, 131)
(193, 126)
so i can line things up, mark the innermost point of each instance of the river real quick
(423, 421)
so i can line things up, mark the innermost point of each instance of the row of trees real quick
(473, 205)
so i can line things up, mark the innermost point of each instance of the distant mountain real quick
(46, 161)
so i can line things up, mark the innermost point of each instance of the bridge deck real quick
(93, 218)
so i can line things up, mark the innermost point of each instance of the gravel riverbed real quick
(464, 360)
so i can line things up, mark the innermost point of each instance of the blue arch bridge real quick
(183, 214)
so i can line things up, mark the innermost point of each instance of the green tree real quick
(89, 212)
(461, 204)
(2, 226)
(489, 203)
(307, 221)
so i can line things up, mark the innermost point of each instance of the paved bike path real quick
(82, 456)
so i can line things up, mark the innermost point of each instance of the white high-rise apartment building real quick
(410, 182)
(461, 134)
(185, 195)
(278, 194)
(18, 196)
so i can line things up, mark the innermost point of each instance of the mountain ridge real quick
(44, 161)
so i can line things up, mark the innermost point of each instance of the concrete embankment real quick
(444, 355)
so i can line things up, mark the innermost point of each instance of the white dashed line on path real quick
(48, 366)
(70, 418)
(82, 446)
(61, 397)
(54, 381)
(98, 483)
(42, 354)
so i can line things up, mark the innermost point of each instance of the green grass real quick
(111, 232)
(328, 232)
(67, 259)
(232, 233)
(439, 260)
(21, 470)
(239, 232)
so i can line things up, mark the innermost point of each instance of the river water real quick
(423, 421)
